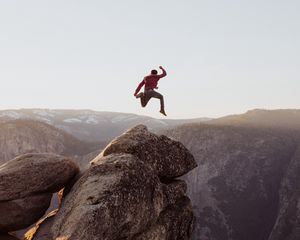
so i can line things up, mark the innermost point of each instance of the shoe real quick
(163, 112)
(141, 94)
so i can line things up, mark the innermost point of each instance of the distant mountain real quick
(90, 125)
(246, 185)
(23, 136)
(84, 160)
(282, 118)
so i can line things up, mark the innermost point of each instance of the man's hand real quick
(164, 72)
(134, 94)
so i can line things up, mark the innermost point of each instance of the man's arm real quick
(164, 73)
(139, 87)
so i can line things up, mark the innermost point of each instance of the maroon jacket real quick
(150, 81)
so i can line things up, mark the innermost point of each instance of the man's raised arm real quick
(164, 73)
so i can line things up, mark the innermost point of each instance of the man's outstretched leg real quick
(162, 104)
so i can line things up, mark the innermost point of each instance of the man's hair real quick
(154, 71)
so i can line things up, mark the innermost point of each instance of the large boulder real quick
(20, 213)
(128, 192)
(35, 173)
(169, 158)
(113, 200)
(26, 186)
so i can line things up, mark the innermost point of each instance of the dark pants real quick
(148, 94)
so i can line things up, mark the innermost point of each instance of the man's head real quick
(154, 72)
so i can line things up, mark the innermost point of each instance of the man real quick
(150, 83)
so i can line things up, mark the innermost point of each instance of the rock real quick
(21, 213)
(174, 191)
(128, 192)
(113, 200)
(26, 186)
(169, 158)
(5, 236)
(34, 173)
(156, 232)
(174, 223)
(41, 230)
(178, 220)
(54, 204)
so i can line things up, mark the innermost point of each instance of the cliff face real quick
(130, 191)
(247, 183)
(27, 136)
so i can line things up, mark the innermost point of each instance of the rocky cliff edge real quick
(130, 191)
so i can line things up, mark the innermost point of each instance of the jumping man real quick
(150, 83)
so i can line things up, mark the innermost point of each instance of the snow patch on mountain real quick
(91, 120)
(123, 118)
(44, 119)
(44, 113)
(11, 114)
(72, 120)
(158, 121)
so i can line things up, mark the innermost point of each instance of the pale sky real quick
(222, 56)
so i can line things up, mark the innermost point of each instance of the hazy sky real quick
(222, 56)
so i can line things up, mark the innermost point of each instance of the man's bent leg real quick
(144, 99)
(139, 95)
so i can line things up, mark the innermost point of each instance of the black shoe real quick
(163, 112)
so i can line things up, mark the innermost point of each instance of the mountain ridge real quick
(278, 118)
(89, 125)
